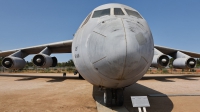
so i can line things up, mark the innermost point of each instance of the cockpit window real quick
(86, 20)
(100, 13)
(118, 11)
(133, 13)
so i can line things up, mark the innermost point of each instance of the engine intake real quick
(160, 61)
(13, 63)
(183, 63)
(45, 61)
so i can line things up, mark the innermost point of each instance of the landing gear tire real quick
(108, 97)
(119, 97)
(113, 97)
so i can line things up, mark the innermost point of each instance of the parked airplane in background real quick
(113, 48)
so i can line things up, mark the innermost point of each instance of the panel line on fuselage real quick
(99, 60)
(126, 49)
(144, 59)
(99, 34)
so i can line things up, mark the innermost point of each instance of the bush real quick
(165, 71)
(192, 70)
(70, 69)
(63, 69)
(58, 71)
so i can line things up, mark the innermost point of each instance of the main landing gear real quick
(79, 75)
(113, 97)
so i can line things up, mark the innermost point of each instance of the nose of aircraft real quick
(116, 48)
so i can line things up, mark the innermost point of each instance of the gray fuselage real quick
(113, 51)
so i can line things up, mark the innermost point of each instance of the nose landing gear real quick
(113, 97)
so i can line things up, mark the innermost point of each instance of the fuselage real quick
(113, 47)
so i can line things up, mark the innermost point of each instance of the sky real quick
(24, 23)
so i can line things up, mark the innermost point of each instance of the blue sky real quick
(25, 23)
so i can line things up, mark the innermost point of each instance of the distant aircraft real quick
(113, 48)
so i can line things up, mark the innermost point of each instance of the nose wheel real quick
(113, 97)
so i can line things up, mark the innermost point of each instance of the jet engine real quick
(45, 61)
(13, 62)
(160, 61)
(183, 63)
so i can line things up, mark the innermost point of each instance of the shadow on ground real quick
(165, 78)
(33, 77)
(158, 104)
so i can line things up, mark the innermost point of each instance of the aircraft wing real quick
(56, 47)
(171, 51)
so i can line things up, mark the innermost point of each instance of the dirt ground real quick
(46, 93)
(183, 92)
(53, 93)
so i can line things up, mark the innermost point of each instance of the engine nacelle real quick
(183, 63)
(45, 61)
(160, 61)
(13, 63)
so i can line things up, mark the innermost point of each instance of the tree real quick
(59, 64)
(198, 62)
(1, 60)
(29, 64)
(70, 63)
(171, 64)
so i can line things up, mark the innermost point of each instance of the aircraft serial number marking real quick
(77, 56)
